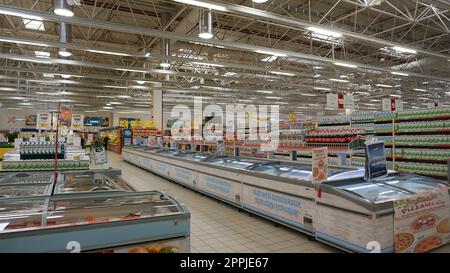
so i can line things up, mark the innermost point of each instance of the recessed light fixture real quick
(346, 65)
(325, 32)
(400, 74)
(259, 1)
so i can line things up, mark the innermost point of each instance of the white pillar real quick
(157, 106)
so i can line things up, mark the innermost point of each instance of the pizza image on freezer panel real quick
(444, 226)
(428, 244)
(403, 241)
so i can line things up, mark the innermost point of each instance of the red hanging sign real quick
(340, 100)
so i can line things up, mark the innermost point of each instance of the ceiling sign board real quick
(392, 105)
(340, 101)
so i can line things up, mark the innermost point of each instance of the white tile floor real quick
(218, 227)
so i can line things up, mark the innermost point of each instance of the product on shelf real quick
(40, 150)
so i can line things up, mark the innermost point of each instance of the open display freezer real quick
(90, 181)
(353, 213)
(26, 178)
(95, 222)
(24, 190)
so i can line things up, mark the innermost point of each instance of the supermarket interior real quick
(212, 126)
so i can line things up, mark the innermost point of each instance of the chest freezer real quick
(90, 181)
(23, 190)
(232, 162)
(26, 178)
(95, 222)
(353, 212)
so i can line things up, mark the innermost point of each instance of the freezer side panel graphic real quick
(182, 175)
(226, 189)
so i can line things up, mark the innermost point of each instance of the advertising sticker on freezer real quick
(319, 164)
(376, 161)
(421, 222)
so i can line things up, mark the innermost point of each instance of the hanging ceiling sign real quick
(340, 101)
(392, 105)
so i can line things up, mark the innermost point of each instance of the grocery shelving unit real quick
(417, 141)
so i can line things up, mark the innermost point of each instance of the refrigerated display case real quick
(232, 162)
(351, 213)
(25, 178)
(90, 181)
(95, 222)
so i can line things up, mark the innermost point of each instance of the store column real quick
(157, 106)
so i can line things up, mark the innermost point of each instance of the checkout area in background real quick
(367, 209)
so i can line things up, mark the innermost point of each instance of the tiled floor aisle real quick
(218, 227)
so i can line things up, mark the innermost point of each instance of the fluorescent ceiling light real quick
(82, 105)
(346, 65)
(124, 97)
(404, 50)
(339, 80)
(322, 88)
(271, 53)
(282, 73)
(17, 98)
(25, 103)
(423, 98)
(375, 100)
(384, 85)
(140, 82)
(259, 1)
(325, 32)
(308, 95)
(400, 74)
(202, 4)
(110, 52)
(230, 74)
(108, 107)
(115, 103)
(129, 69)
(269, 59)
(397, 96)
(42, 54)
(420, 90)
(317, 76)
(274, 98)
(19, 14)
(65, 76)
(208, 64)
(22, 42)
(264, 91)
(34, 24)
(48, 75)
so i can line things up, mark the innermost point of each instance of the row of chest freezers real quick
(345, 211)
(88, 211)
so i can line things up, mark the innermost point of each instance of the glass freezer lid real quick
(411, 182)
(27, 178)
(78, 182)
(101, 209)
(167, 152)
(51, 212)
(24, 190)
(233, 162)
(374, 192)
(297, 171)
(21, 214)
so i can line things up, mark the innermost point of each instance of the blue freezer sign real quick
(277, 202)
(375, 160)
